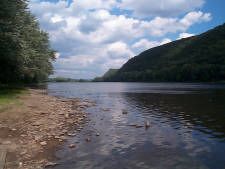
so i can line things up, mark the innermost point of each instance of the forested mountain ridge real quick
(196, 59)
(107, 75)
(25, 52)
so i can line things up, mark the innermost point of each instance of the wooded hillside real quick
(196, 59)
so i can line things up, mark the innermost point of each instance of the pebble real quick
(147, 124)
(50, 164)
(7, 142)
(43, 143)
(71, 134)
(63, 138)
(56, 137)
(37, 138)
(72, 145)
(23, 153)
(124, 111)
(133, 124)
(97, 134)
(88, 139)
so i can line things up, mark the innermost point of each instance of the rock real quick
(36, 124)
(61, 113)
(72, 145)
(43, 113)
(138, 126)
(132, 124)
(88, 139)
(63, 138)
(64, 131)
(67, 115)
(23, 153)
(43, 143)
(14, 129)
(147, 124)
(56, 137)
(20, 164)
(97, 134)
(71, 134)
(50, 164)
(124, 111)
(7, 142)
(37, 138)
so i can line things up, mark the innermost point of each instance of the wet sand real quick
(34, 130)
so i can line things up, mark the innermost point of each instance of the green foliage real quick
(25, 53)
(107, 76)
(63, 79)
(195, 59)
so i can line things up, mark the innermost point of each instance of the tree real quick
(25, 53)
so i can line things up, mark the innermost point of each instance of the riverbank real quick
(34, 129)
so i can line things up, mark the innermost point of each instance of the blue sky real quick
(91, 36)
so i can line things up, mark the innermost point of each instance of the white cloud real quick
(57, 55)
(164, 8)
(145, 44)
(89, 38)
(185, 35)
(165, 41)
(119, 50)
(96, 4)
(194, 17)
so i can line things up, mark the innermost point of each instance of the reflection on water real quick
(187, 126)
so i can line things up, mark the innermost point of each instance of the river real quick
(187, 126)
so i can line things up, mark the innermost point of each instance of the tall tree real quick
(25, 53)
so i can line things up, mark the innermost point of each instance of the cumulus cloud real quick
(185, 35)
(194, 17)
(91, 39)
(145, 44)
(119, 50)
(163, 8)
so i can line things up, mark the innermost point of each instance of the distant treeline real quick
(25, 52)
(196, 59)
(63, 79)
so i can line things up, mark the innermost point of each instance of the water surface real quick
(187, 126)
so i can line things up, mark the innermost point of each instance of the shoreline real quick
(34, 130)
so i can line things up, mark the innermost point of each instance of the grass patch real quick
(9, 97)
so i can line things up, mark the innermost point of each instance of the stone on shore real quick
(72, 145)
(147, 124)
(43, 143)
(50, 164)
(124, 111)
(132, 124)
(88, 139)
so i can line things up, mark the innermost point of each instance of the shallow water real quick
(187, 126)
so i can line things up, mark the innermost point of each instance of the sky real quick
(92, 36)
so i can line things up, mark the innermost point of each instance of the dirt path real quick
(34, 130)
